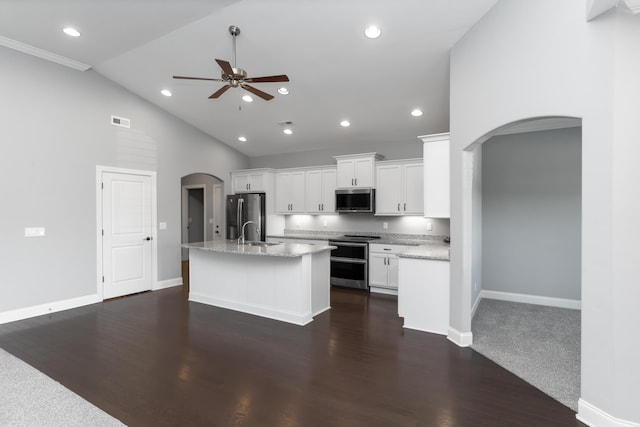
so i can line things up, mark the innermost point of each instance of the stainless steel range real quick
(349, 261)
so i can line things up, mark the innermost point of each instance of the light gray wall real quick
(531, 221)
(364, 222)
(391, 151)
(528, 59)
(55, 130)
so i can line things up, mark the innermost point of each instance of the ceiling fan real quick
(237, 76)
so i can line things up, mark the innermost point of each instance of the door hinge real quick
(102, 279)
(102, 185)
(103, 231)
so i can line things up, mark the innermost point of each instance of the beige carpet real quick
(539, 344)
(29, 398)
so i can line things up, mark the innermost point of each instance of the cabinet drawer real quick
(387, 249)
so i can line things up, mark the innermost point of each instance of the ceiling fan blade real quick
(197, 78)
(257, 92)
(266, 79)
(226, 67)
(219, 92)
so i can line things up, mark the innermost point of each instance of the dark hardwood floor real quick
(154, 359)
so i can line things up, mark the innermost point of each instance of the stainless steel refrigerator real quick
(246, 207)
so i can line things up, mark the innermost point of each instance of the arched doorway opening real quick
(202, 213)
(526, 263)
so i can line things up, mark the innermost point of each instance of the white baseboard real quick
(461, 339)
(595, 417)
(300, 319)
(170, 283)
(52, 307)
(385, 291)
(532, 299)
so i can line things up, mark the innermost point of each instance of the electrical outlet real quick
(385, 225)
(34, 232)
(429, 226)
(324, 223)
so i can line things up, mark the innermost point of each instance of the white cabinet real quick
(399, 187)
(356, 170)
(250, 181)
(321, 191)
(436, 176)
(384, 267)
(423, 294)
(290, 191)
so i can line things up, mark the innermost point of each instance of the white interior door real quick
(127, 233)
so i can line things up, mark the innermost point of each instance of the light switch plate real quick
(385, 225)
(429, 226)
(34, 232)
(163, 226)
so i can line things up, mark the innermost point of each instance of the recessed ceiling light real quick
(288, 131)
(372, 32)
(283, 91)
(71, 32)
(166, 92)
(242, 139)
(247, 98)
(416, 113)
(345, 123)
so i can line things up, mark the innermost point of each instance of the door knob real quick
(148, 238)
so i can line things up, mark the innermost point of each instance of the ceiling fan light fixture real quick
(416, 112)
(283, 91)
(345, 123)
(166, 92)
(247, 98)
(70, 31)
(372, 32)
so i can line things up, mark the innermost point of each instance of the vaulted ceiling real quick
(335, 72)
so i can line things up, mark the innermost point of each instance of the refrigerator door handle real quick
(239, 215)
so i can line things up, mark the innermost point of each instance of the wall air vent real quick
(120, 121)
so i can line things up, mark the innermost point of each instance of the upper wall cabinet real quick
(290, 188)
(356, 170)
(251, 180)
(321, 191)
(436, 176)
(399, 188)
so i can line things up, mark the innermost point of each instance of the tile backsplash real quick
(368, 223)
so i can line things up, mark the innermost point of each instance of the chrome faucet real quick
(244, 225)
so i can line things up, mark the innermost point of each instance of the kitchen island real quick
(284, 281)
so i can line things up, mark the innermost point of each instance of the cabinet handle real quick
(405, 206)
(398, 206)
(386, 249)
(351, 181)
(322, 206)
(356, 182)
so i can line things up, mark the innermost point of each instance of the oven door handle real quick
(348, 260)
(354, 245)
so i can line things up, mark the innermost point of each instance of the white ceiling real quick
(335, 72)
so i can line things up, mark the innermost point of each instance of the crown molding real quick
(631, 6)
(43, 54)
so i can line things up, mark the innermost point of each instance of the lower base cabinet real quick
(383, 267)
(423, 294)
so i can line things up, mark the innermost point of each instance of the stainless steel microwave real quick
(356, 200)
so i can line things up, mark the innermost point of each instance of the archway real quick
(202, 212)
(525, 222)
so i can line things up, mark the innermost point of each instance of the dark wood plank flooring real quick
(154, 359)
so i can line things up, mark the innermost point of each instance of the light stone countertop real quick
(288, 250)
(438, 252)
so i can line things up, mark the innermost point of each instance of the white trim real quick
(48, 308)
(461, 339)
(383, 291)
(43, 54)
(170, 283)
(257, 310)
(532, 299)
(475, 305)
(154, 222)
(595, 417)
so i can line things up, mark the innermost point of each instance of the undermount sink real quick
(262, 244)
